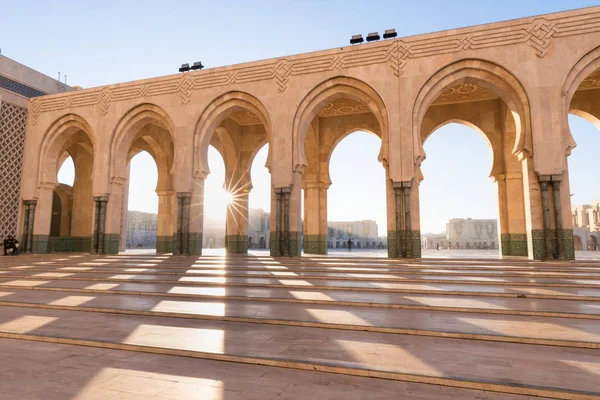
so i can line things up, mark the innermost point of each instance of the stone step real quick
(436, 301)
(303, 280)
(51, 371)
(574, 301)
(534, 370)
(578, 333)
(294, 273)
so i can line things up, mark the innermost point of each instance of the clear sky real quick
(97, 43)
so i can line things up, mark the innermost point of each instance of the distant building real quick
(586, 226)
(18, 84)
(364, 235)
(141, 230)
(464, 233)
(259, 232)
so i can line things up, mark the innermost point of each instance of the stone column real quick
(276, 237)
(196, 217)
(395, 249)
(408, 252)
(43, 217)
(28, 225)
(99, 244)
(164, 233)
(124, 213)
(286, 239)
(544, 183)
(315, 218)
(557, 202)
(181, 237)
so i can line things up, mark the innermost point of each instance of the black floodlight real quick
(184, 68)
(356, 39)
(371, 37)
(197, 65)
(390, 33)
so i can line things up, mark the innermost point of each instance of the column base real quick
(514, 244)
(164, 244)
(315, 244)
(539, 244)
(195, 243)
(414, 242)
(111, 243)
(295, 245)
(70, 244)
(236, 244)
(39, 244)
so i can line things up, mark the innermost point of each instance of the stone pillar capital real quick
(183, 194)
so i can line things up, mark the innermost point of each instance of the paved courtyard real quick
(147, 326)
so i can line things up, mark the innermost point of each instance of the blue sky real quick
(97, 43)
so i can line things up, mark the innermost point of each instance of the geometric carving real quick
(245, 118)
(343, 106)
(464, 92)
(539, 36)
(12, 137)
(591, 82)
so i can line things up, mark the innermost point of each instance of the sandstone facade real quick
(514, 82)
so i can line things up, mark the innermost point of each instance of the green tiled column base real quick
(315, 244)
(111, 243)
(539, 244)
(295, 245)
(392, 238)
(164, 244)
(195, 243)
(39, 245)
(273, 245)
(236, 244)
(69, 244)
(569, 244)
(415, 242)
(514, 244)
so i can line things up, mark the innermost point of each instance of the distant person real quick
(437, 246)
(10, 243)
(349, 245)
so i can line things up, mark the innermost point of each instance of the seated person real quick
(10, 243)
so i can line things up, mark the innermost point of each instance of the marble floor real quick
(145, 326)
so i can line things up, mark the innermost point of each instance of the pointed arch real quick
(330, 90)
(578, 73)
(488, 75)
(128, 130)
(214, 114)
(62, 134)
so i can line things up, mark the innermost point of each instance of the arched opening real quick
(328, 114)
(216, 201)
(578, 243)
(142, 202)
(489, 100)
(593, 243)
(145, 133)
(458, 198)
(67, 164)
(583, 124)
(356, 209)
(237, 125)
